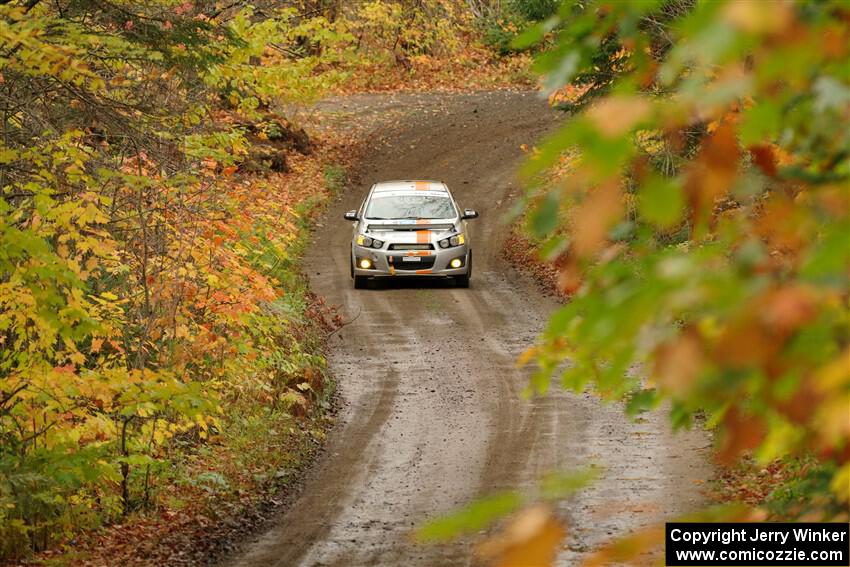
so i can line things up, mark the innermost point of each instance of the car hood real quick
(402, 230)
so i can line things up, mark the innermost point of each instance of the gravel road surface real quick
(432, 414)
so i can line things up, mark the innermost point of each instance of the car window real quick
(410, 207)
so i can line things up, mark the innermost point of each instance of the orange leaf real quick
(678, 363)
(783, 224)
(616, 115)
(531, 539)
(713, 172)
(745, 343)
(741, 432)
(789, 308)
(229, 170)
(594, 217)
(627, 549)
(569, 278)
(805, 402)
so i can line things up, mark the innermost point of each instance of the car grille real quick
(397, 246)
(426, 263)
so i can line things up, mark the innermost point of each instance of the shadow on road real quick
(409, 282)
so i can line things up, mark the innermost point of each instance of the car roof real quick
(410, 185)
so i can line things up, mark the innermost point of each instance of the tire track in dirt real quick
(432, 414)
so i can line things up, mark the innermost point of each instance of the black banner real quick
(761, 544)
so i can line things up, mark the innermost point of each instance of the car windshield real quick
(410, 207)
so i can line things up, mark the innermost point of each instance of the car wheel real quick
(463, 281)
(360, 282)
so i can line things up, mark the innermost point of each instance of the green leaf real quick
(641, 401)
(559, 485)
(661, 202)
(553, 247)
(544, 218)
(472, 518)
(761, 123)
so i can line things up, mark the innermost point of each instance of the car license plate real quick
(411, 259)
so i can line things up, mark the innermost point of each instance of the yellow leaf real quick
(526, 356)
(835, 375)
(841, 483)
(833, 419)
(751, 15)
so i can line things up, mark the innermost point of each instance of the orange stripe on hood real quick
(422, 185)
(423, 236)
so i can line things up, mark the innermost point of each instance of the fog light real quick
(365, 263)
(456, 263)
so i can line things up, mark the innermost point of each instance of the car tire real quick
(360, 282)
(463, 281)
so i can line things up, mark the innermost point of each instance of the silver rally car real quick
(410, 228)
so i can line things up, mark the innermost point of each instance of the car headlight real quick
(377, 243)
(364, 240)
(455, 240)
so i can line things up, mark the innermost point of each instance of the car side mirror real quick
(351, 215)
(469, 214)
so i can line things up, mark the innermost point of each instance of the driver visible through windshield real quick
(410, 207)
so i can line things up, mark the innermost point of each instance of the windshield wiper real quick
(404, 218)
(393, 218)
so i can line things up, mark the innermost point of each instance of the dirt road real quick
(432, 417)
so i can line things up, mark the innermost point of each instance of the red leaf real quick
(763, 157)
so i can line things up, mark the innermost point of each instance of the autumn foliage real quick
(143, 289)
(697, 208)
(153, 203)
(693, 212)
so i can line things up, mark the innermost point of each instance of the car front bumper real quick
(389, 263)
